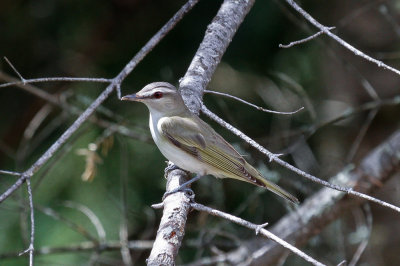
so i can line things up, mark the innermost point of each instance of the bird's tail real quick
(259, 180)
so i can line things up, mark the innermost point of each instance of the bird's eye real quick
(158, 94)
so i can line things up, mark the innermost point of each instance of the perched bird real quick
(190, 143)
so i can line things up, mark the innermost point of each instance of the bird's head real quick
(160, 97)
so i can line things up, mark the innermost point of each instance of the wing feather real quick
(205, 144)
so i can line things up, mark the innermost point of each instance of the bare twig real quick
(364, 242)
(258, 230)
(275, 158)
(351, 48)
(304, 40)
(69, 79)
(10, 173)
(89, 246)
(91, 216)
(361, 134)
(123, 229)
(47, 79)
(30, 249)
(56, 101)
(253, 105)
(15, 70)
(103, 96)
(74, 226)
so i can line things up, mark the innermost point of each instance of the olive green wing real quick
(201, 141)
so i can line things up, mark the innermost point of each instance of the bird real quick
(190, 143)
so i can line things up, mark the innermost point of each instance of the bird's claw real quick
(169, 168)
(184, 189)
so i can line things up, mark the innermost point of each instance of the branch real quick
(218, 36)
(116, 82)
(88, 246)
(324, 206)
(258, 230)
(30, 249)
(304, 40)
(275, 158)
(253, 105)
(69, 79)
(5, 172)
(172, 226)
(348, 46)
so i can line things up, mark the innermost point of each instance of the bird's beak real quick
(132, 97)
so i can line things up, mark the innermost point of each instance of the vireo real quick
(190, 143)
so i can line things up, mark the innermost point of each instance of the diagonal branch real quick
(345, 44)
(56, 101)
(87, 246)
(218, 36)
(275, 158)
(324, 206)
(116, 82)
(258, 230)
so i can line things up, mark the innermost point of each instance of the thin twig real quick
(369, 106)
(69, 79)
(123, 229)
(303, 40)
(47, 79)
(258, 230)
(15, 70)
(91, 216)
(88, 246)
(364, 242)
(101, 98)
(339, 40)
(123, 130)
(275, 158)
(74, 226)
(252, 105)
(10, 173)
(361, 134)
(30, 249)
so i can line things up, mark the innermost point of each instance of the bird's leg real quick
(183, 187)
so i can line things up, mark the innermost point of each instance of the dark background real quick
(97, 38)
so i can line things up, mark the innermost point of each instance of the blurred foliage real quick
(45, 38)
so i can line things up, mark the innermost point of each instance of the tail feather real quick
(278, 190)
(258, 179)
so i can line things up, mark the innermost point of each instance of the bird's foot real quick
(182, 188)
(169, 168)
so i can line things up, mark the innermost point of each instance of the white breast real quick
(173, 153)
